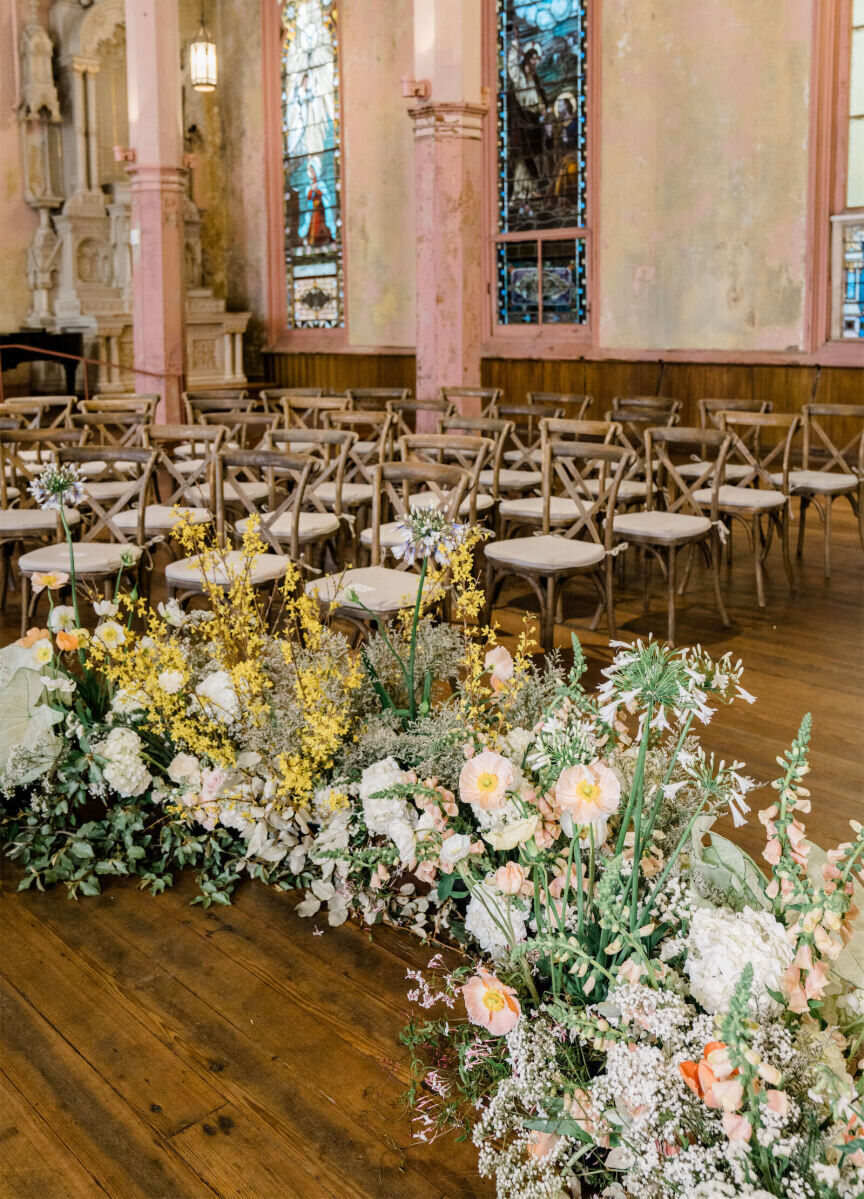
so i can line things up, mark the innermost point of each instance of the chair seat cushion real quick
(189, 572)
(735, 471)
(364, 447)
(826, 482)
(729, 496)
(91, 558)
(188, 466)
(106, 489)
(628, 489)
(160, 518)
(33, 520)
(661, 526)
(312, 526)
(511, 480)
(548, 553)
(389, 534)
(353, 494)
(428, 499)
(561, 509)
(252, 491)
(535, 455)
(379, 588)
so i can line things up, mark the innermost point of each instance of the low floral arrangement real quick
(637, 1010)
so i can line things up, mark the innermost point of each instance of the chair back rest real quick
(708, 409)
(43, 412)
(405, 413)
(605, 431)
(330, 446)
(488, 397)
(307, 412)
(287, 477)
(271, 397)
(761, 454)
(205, 442)
(633, 424)
(121, 403)
(637, 403)
(247, 429)
(112, 428)
(374, 429)
(574, 406)
(663, 475)
(375, 399)
(134, 495)
(525, 436)
(839, 454)
(395, 483)
(197, 403)
(567, 468)
(24, 454)
(470, 453)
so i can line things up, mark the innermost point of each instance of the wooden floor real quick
(156, 1051)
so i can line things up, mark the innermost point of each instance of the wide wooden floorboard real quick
(155, 1050)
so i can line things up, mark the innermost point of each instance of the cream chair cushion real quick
(511, 480)
(735, 471)
(353, 494)
(160, 518)
(253, 491)
(312, 526)
(628, 489)
(188, 572)
(827, 482)
(661, 526)
(535, 455)
(378, 588)
(561, 509)
(33, 520)
(741, 497)
(547, 553)
(105, 489)
(91, 558)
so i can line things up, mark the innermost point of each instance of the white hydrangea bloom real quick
(720, 943)
(218, 698)
(124, 770)
(487, 919)
(380, 813)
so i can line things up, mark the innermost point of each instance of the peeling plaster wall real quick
(704, 160)
(378, 148)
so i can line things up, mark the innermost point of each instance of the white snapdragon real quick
(720, 943)
(124, 770)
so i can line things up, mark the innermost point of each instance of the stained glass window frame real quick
(847, 222)
(580, 234)
(300, 260)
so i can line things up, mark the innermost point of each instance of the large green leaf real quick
(26, 722)
(726, 868)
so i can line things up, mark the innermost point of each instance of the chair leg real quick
(685, 579)
(610, 599)
(646, 580)
(5, 562)
(757, 560)
(783, 533)
(715, 550)
(827, 532)
(670, 583)
(547, 616)
(802, 520)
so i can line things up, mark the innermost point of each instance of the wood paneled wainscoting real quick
(787, 387)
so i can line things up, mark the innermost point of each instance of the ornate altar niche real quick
(72, 115)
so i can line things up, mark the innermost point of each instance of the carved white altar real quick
(74, 127)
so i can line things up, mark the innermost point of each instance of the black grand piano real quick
(42, 346)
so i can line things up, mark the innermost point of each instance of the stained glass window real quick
(311, 164)
(853, 280)
(542, 162)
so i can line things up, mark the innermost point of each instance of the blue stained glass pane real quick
(541, 114)
(311, 163)
(853, 281)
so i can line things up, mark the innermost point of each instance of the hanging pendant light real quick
(202, 59)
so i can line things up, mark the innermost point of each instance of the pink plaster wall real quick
(704, 161)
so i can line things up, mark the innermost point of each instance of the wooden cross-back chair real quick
(572, 405)
(182, 487)
(709, 410)
(759, 501)
(396, 485)
(24, 453)
(492, 478)
(630, 491)
(308, 412)
(689, 514)
(406, 413)
(106, 547)
(199, 403)
(525, 450)
(832, 466)
(634, 423)
(647, 403)
(43, 412)
(465, 451)
(272, 398)
(323, 520)
(244, 430)
(374, 445)
(469, 399)
(565, 549)
(375, 399)
(112, 428)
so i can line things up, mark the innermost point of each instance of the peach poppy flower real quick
(485, 779)
(490, 1004)
(509, 878)
(32, 636)
(67, 640)
(713, 1078)
(500, 662)
(52, 579)
(588, 792)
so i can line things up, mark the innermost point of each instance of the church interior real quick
(577, 285)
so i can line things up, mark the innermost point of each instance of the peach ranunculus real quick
(500, 662)
(485, 779)
(588, 792)
(509, 879)
(32, 636)
(491, 1004)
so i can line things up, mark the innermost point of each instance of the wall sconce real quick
(202, 59)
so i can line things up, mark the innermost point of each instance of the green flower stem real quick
(652, 820)
(673, 858)
(636, 785)
(412, 698)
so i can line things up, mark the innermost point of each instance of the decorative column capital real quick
(448, 119)
(154, 177)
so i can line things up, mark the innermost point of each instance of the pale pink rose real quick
(510, 878)
(485, 780)
(491, 1004)
(212, 782)
(737, 1128)
(588, 792)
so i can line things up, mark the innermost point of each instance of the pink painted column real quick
(448, 157)
(157, 186)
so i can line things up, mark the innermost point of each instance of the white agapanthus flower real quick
(124, 769)
(494, 923)
(218, 698)
(721, 942)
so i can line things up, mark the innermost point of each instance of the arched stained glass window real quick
(542, 162)
(311, 164)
